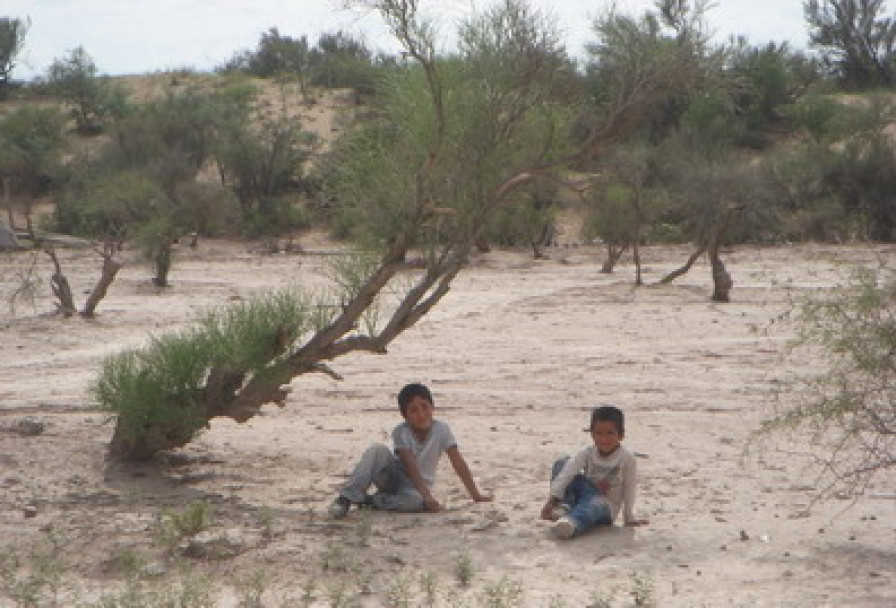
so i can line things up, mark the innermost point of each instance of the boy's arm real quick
(463, 471)
(413, 470)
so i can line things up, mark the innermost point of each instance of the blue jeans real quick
(588, 507)
(379, 467)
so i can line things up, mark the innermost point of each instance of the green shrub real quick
(160, 388)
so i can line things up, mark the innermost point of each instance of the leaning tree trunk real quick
(240, 394)
(687, 265)
(65, 302)
(110, 269)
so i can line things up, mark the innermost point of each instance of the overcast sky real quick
(139, 36)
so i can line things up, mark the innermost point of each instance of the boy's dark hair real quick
(608, 413)
(409, 391)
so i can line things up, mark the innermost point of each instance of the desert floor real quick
(516, 355)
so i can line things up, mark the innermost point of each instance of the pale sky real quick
(140, 36)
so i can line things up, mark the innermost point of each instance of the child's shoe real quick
(559, 511)
(565, 528)
(339, 508)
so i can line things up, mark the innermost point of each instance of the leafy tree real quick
(339, 60)
(841, 182)
(848, 403)
(94, 100)
(767, 81)
(412, 166)
(276, 56)
(717, 201)
(623, 202)
(12, 38)
(31, 146)
(261, 161)
(856, 41)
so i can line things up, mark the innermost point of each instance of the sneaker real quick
(559, 511)
(565, 528)
(339, 508)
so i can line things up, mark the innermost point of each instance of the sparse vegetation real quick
(722, 146)
(848, 405)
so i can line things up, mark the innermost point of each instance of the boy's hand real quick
(547, 511)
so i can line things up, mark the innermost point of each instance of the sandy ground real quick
(516, 355)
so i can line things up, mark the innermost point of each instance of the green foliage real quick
(856, 41)
(463, 569)
(187, 591)
(503, 593)
(665, 54)
(611, 216)
(370, 176)
(709, 127)
(499, 116)
(261, 161)
(30, 577)
(168, 140)
(847, 174)
(821, 116)
(528, 222)
(159, 389)
(275, 54)
(156, 238)
(849, 403)
(766, 81)
(94, 100)
(12, 38)
(339, 60)
(176, 525)
(110, 204)
(212, 210)
(31, 146)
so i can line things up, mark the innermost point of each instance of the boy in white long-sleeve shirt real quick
(597, 482)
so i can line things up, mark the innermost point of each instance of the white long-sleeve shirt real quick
(619, 470)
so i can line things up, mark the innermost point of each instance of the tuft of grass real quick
(174, 526)
(399, 594)
(503, 593)
(28, 580)
(252, 588)
(463, 569)
(429, 587)
(642, 589)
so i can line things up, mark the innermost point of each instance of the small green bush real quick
(161, 388)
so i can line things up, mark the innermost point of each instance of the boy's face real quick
(418, 413)
(606, 437)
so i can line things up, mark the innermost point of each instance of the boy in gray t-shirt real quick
(404, 479)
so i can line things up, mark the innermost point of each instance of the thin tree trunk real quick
(8, 204)
(110, 269)
(65, 303)
(687, 266)
(721, 279)
(614, 252)
(636, 254)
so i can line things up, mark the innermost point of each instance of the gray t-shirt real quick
(428, 451)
